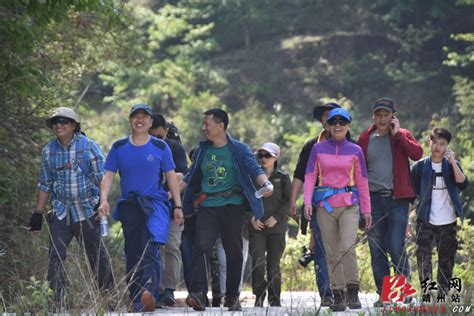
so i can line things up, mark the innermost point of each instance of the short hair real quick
(439, 132)
(158, 121)
(219, 116)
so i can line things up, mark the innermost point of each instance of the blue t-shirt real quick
(140, 169)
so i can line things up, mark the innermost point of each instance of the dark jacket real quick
(278, 204)
(246, 169)
(423, 176)
(404, 146)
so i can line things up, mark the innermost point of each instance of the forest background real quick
(267, 62)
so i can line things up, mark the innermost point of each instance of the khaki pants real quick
(171, 263)
(339, 233)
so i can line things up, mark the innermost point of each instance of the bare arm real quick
(459, 176)
(105, 187)
(172, 181)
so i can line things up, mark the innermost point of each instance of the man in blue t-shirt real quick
(143, 207)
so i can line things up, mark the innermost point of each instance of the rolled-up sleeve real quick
(45, 183)
(97, 162)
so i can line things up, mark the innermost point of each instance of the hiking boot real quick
(197, 301)
(232, 303)
(148, 301)
(216, 301)
(339, 304)
(326, 301)
(259, 300)
(168, 297)
(353, 301)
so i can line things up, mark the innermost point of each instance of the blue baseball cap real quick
(339, 112)
(141, 106)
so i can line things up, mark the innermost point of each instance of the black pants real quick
(444, 237)
(87, 234)
(226, 220)
(266, 251)
(142, 255)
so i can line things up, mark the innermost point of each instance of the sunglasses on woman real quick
(60, 121)
(335, 122)
(264, 155)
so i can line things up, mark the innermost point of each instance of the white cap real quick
(271, 148)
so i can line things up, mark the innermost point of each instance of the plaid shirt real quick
(72, 175)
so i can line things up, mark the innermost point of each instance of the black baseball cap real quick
(320, 109)
(384, 103)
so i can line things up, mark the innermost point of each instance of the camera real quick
(306, 257)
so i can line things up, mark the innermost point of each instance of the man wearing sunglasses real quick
(71, 170)
(387, 148)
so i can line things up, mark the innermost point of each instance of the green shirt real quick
(218, 175)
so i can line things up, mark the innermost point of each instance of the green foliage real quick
(267, 62)
(36, 297)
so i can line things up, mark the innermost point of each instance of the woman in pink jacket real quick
(342, 191)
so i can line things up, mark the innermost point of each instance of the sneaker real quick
(148, 301)
(196, 301)
(168, 297)
(233, 304)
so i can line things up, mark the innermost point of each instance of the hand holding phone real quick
(448, 153)
(394, 124)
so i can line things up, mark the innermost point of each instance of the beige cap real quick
(63, 112)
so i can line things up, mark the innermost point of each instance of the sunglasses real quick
(338, 121)
(60, 121)
(265, 155)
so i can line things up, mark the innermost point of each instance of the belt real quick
(228, 193)
(384, 193)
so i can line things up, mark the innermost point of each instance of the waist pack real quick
(322, 193)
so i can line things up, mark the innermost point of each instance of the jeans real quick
(387, 236)
(320, 263)
(226, 220)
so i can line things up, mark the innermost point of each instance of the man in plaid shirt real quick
(71, 171)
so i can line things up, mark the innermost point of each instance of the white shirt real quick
(442, 210)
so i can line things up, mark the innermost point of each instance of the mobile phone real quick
(447, 153)
(392, 125)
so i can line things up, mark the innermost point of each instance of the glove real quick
(36, 222)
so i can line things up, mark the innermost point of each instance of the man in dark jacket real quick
(387, 148)
(220, 182)
(437, 180)
(171, 254)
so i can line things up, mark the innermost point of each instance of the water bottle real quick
(267, 187)
(104, 226)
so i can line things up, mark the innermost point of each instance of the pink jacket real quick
(338, 164)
